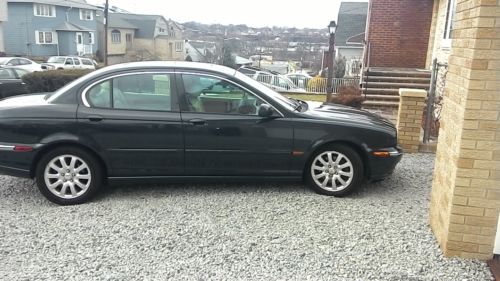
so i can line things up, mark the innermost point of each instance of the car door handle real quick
(197, 121)
(95, 118)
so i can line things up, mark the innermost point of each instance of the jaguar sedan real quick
(178, 120)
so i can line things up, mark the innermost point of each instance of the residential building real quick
(201, 51)
(463, 36)
(3, 19)
(350, 34)
(41, 28)
(135, 37)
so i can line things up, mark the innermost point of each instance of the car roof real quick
(172, 64)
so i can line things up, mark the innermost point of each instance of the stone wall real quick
(465, 199)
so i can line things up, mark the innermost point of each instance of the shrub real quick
(51, 80)
(348, 95)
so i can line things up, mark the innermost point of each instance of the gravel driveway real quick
(274, 231)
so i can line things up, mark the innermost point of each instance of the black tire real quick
(357, 171)
(94, 170)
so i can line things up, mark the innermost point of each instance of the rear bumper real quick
(382, 167)
(15, 163)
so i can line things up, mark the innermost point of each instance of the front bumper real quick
(382, 167)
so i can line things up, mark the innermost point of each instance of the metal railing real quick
(303, 84)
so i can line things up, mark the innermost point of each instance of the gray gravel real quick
(274, 231)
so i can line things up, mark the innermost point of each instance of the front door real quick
(134, 120)
(223, 133)
(79, 43)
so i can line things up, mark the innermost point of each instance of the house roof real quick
(351, 21)
(67, 26)
(65, 3)
(356, 39)
(145, 24)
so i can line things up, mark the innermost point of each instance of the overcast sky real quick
(255, 13)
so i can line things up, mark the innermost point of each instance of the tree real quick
(339, 67)
(227, 57)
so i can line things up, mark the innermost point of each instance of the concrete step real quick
(423, 80)
(382, 97)
(398, 73)
(396, 85)
(378, 104)
(380, 91)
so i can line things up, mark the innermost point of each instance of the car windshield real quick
(56, 60)
(290, 104)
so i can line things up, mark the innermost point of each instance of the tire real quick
(336, 170)
(70, 184)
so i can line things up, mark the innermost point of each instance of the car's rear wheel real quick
(68, 175)
(336, 170)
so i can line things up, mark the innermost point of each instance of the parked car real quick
(166, 120)
(22, 63)
(299, 79)
(58, 62)
(11, 83)
(272, 79)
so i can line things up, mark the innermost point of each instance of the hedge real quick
(51, 80)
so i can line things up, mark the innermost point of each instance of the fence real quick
(302, 84)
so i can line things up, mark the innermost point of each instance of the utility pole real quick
(106, 8)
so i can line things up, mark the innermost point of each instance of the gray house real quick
(350, 34)
(41, 28)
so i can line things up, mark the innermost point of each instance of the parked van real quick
(63, 62)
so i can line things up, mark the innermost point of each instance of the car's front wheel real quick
(68, 175)
(336, 170)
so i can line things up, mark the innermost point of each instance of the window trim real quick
(181, 95)
(37, 37)
(91, 40)
(179, 43)
(86, 103)
(116, 32)
(51, 11)
(450, 15)
(86, 10)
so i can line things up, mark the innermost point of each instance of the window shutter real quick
(37, 37)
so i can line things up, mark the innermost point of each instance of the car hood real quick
(23, 101)
(347, 114)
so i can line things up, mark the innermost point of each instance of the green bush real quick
(51, 80)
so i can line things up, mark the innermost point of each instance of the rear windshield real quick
(56, 60)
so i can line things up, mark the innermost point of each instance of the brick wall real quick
(465, 198)
(399, 32)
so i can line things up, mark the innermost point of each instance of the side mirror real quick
(265, 110)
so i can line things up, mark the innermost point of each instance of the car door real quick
(68, 64)
(11, 83)
(134, 119)
(223, 134)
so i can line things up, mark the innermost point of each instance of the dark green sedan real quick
(191, 121)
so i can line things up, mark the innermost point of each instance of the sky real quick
(254, 13)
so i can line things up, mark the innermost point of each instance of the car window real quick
(69, 61)
(77, 62)
(24, 62)
(215, 95)
(6, 74)
(86, 62)
(20, 72)
(13, 62)
(134, 92)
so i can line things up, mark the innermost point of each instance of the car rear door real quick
(11, 83)
(223, 134)
(134, 119)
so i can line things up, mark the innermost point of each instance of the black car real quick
(166, 120)
(11, 83)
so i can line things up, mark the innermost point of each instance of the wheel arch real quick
(356, 147)
(48, 147)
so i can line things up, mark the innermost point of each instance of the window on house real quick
(161, 30)
(45, 37)
(171, 33)
(179, 46)
(116, 36)
(450, 17)
(86, 14)
(91, 38)
(43, 10)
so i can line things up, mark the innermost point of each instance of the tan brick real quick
(494, 194)
(486, 249)
(478, 256)
(486, 145)
(481, 221)
(476, 154)
(472, 210)
(483, 183)
(473, 173)
(457, 219)
(462, 246)
(488, 231)
(462, 228)
(485, 164)
(488, 125)
(459, 200)
(485, 203)
(491, 213)
(452, 236)
(462, 182)
(477, 239)
(465, 163)
(481, 115)
(481, 135)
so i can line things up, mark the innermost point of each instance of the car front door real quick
(224, 136)
(134, 119)
(68, 64)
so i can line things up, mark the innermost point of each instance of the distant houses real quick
(42, 28)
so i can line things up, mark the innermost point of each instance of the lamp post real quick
(331, 56)
(106, 14)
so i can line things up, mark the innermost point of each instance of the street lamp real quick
(331, 56)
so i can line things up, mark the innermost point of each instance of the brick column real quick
(465, 199)
(411, 106)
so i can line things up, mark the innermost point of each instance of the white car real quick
(273, 80)
(65, 62)
(22, 63)
(300, 79)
